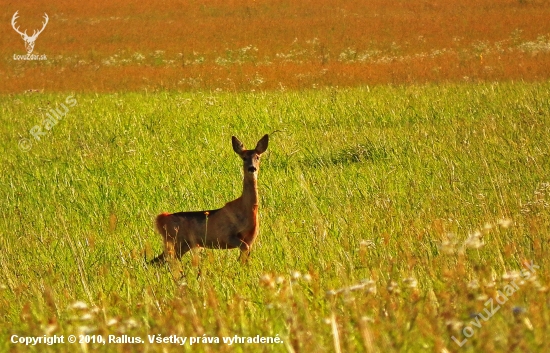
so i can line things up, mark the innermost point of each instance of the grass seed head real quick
(410, 282)
(474, 241)
(504, 223)
(267, 280)
(448, 245)
(86, 330)
(131, 323)
(511, 275)
(79, 305)
(86, 317)
(393, 287)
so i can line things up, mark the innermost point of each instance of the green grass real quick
(382, 184)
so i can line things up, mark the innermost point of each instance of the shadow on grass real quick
(360, 153)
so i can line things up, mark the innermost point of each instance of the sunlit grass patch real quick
(389, 217)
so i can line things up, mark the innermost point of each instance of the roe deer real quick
(235, 225)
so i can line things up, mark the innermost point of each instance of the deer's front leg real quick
(236, 241)
(243, 256)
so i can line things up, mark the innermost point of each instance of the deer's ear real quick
(261, 147)
(238, 146)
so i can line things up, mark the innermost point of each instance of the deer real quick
(29, 41)
(235, 225)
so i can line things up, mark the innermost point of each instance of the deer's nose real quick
(251, 169)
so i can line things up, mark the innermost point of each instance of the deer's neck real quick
(250, 191)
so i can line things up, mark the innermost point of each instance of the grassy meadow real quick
(390, 216)
(404, 196)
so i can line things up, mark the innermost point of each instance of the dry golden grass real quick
(243, 45)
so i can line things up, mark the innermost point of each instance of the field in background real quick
(389, 217)
(240, 45)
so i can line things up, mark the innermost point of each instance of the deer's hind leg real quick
(172, 250)
(159, 260)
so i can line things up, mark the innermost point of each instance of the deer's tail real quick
(160, 222)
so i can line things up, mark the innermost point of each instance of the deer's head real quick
(251, 158)
(29, 40)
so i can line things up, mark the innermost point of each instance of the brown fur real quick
(233, 226)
